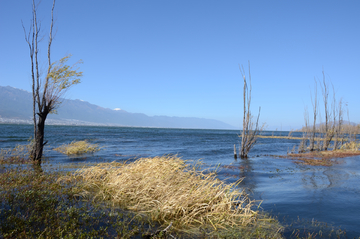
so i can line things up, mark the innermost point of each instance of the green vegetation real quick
(35, 205)
(77, 147)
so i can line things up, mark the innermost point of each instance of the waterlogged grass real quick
(38, 204)
(317, 157)
(134, 200)
(314, 229)
(323, 158)
(19, 154)
(33, 204)
(77, 148)
(170, 192)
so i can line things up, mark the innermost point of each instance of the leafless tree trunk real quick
(314, 105)
(250, 131)
(338, 131)
(243, 139)
(351, 130)
(329, 130)
(306, 133)
(32, 40)
(325, 93)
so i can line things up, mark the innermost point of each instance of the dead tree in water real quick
(338, 112)
(327, 131)
(250, 130)
(306, 133)
(330, 127)
(47, 92)
(313, 131)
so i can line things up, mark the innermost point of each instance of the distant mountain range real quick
(16, 107)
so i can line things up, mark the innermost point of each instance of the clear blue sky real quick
(180, 58)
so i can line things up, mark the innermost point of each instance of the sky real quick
(181, 58)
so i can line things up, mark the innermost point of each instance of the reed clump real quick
(169, 191)
(77, 148)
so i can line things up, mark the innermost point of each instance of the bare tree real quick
(338, 126)
(250, 129)
(305, 133)
(329, 129)
(314, 105)
(332, 128)
(46, 92)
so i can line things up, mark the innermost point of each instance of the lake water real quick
(299, 195)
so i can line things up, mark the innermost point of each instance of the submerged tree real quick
(332, 128)
(315, 113)
(47, 92)
(250, 129)
(306, 132)
(327, 131)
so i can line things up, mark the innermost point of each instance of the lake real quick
(300, 195)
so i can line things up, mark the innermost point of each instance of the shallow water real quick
(289, 191)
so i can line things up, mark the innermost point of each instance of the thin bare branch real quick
(249, 133)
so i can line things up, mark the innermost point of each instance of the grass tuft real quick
(77, 147)
(33, 204)
(19, 154)
(352, 146)
(168, 190)
(322, 158)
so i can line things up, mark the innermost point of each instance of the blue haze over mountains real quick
(16, 106)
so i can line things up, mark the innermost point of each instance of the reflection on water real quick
(292, 191)
(287, 190)
(336, 177)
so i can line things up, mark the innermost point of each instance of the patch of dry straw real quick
(352, 146)
(168, 190)
(77, 147)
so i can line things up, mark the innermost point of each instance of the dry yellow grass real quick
(278, 137)
(352, 146)
(324, 158)
(77, 147)
(169, 191)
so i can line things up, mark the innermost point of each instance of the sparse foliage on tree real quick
(47, 91)
(250, 129)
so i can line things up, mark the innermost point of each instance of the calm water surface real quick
(289, 191)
